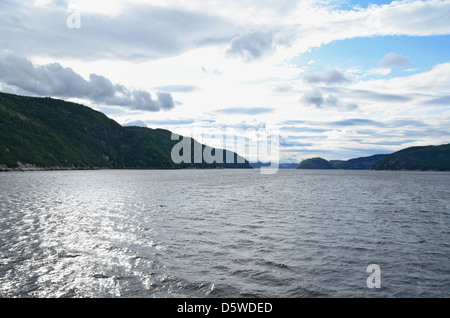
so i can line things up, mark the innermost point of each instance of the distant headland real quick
(426, 158)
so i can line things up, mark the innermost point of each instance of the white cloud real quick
(318, 25)
(214, 55)
(252, 46)
(139, 31)
(136, 33)
(58, 81)
(328, 77)
(432, 82)
(379, 71)
(342, 134)
(394, 60)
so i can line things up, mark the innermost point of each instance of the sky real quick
(337, 79)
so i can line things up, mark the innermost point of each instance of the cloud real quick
(303, 129)
(58, 81)
(287, 143)
(429, 88)
(215, 71)
(363, 134)
(381, 71)
(165, 100)
(394, 60)
(142, 32)
(370, 95)
(361, 122)
(439, 101)
(252, 46)
(424, 17)
(389, 143)
(328, 77)
(246, 111)
(135, 123)
(373, 95)
(436, 80)
(315, 98)
(357, 122)
(174, 122)
(395, 123)
(138, 32)
(283, 88)
(178, 88)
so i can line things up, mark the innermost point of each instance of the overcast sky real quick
(338, 79)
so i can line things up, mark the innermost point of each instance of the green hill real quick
(417, 158)
(315, 163)
(363, 163)
(46, 132)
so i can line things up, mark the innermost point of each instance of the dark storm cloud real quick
(58, 81)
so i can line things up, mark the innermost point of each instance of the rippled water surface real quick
(224, 233)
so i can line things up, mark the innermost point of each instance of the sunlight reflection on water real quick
(229, 233)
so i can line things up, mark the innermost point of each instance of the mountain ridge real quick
(421, 158)
(44, 133)
(433, 158)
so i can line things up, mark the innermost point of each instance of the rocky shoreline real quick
(32, 167)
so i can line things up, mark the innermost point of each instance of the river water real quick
(224, 233)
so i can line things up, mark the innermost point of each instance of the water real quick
(224, 233)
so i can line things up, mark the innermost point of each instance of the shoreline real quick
(31, 167)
